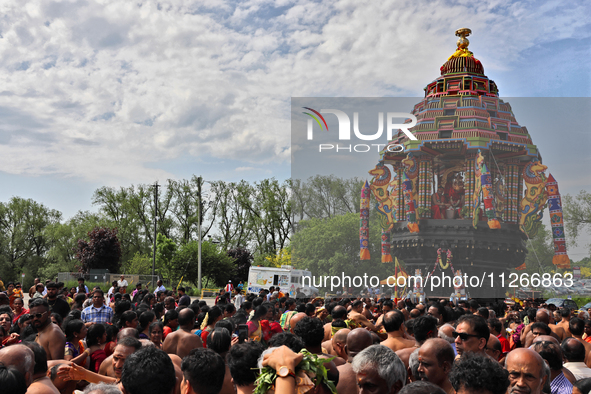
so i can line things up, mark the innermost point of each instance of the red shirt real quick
(504, 344)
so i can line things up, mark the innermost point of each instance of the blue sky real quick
(119, 93)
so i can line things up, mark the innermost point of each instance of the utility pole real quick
(155, 227)
(199, 234)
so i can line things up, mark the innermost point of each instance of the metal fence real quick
(108, 278)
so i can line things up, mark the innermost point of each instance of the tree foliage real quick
(331, 247)
(242, 261)
(101, 251)
(577, 214)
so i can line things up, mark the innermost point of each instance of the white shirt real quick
(122, 283)
(110, 292)
(238, 300)
(579, 369)
(160, 288)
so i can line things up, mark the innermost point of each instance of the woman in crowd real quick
(75, 331)
(213, 316)
(18, 309)
(255, 331)
(171, 322)
(145, 319)
(96, 338)
(156, 332)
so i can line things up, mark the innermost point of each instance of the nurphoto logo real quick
(344, 129)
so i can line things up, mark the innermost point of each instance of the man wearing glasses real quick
(49, 335)
(98, 312)
(471, 335)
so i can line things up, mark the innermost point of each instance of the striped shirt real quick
(104, 314)
(561, 385)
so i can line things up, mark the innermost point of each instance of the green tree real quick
(331, 247)
(22, 238)
(540, 251)
(577, 214)
(216, 265)
(165, 251)
(139, 264)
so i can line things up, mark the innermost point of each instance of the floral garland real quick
(439, 262)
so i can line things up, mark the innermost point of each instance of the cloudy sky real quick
(117, 93)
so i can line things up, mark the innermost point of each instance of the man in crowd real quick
(242, 361)
(41, 382)
(159, 287)
(436, 358)
(526, 371)
(122, 284)
(56, 304)
(574, 353)
(182, 341)
(379, 370)
(148, 371)
(203, 372)
(33, 288)
(552, 355)
(477, 373)
(471, 334)
(393, 323)
(98, 312)
(49, 336)
(184, 299)
(20, 357)
(82, 288)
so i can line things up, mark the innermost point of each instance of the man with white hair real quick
(379, 370)
(446, 332)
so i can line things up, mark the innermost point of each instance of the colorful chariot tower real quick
(454, 199)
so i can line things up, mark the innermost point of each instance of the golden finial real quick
(463, 41)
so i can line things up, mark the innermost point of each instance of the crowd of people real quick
(162, 342)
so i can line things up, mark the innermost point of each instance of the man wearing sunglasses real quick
(49, 335)
(471, 334)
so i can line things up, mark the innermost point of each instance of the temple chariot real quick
(466, 194)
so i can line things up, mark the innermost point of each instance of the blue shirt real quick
(104, 314)
(561, 385)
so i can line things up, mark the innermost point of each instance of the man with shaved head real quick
(20, 357)
(339, 342)
(542, 316)
(357, 340)
(182, 341)
(394, 325)
(338, 313)
(574, 353)
(526, 371)
(493, 348)
(436, 357)
(295, 319)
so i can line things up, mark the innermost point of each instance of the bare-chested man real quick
(357, 340)
(436, 357)
(181, 342)
(33, 288)
(21, 358)
(106, 368)
(564, 323)
(357, 316)
(577, 329)
(339, 312)
(41, 382)
(394, 326)
(543, 316)
(425, 327)
(49, 335)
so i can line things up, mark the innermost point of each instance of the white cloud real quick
(99, 90)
